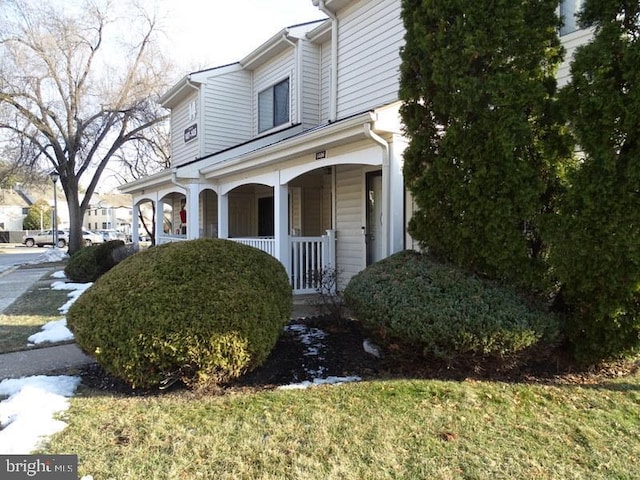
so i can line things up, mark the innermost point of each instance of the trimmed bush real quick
(89, 263)
(202, 312)
(444, 311)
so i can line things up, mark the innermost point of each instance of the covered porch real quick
(327, 200)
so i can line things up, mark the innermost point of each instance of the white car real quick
(90, 238)
(45, 238)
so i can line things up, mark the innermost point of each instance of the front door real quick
(265, 217)
(374, 228)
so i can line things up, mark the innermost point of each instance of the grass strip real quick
(371, 430)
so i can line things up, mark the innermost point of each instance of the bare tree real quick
(71, 96)
(150, 155)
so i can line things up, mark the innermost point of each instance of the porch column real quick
(223, 215)
(135, 225)
(281, 225)
(193, 211)
(159, 206)
(396, 195)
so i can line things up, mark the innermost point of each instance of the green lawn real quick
(16, 329)
(402, 429)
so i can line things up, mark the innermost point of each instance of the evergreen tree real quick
(478, 86)
(39, 216)
(596, 237)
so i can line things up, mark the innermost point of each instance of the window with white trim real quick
(569, 10)
(273, 106)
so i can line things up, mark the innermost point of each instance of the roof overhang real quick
(147, 183)
(333, 5)
(327, 136)
(320, 34)
(277, 44)
(191, 83)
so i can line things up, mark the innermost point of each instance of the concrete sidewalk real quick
(37, 361)
(16, 281)
(42, 361)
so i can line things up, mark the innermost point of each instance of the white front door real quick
(375, 223)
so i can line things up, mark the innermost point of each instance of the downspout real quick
(386, 205)
(298, 69)
(333, 107)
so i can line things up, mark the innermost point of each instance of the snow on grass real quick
(75, 290)
(51, 255)
(28, 415)
(331, 380)
(52, 332)
(58, 274)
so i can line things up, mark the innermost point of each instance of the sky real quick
(30, 407)
(213, 33)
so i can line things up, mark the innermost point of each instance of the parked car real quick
(112, 235)
(91, 237)
(45, 237)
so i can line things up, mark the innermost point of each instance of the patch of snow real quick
(76, 289)
(312, 340)
(58, 274)
(371, 348)
(320, 381)
(55, 331)
(51, 255)
(27, 415)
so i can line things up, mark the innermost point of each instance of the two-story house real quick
(297, 148)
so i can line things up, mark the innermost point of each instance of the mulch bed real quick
(341, 353)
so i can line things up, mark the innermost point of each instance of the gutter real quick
(298, 54)
(333, 107)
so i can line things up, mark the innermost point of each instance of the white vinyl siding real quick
(277, 70)
(349, 221)
(370, 36)
(227, 111)
(184, 152)
(570, 43)
(310, 84)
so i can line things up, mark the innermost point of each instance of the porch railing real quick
(168, 238)
(311, 257)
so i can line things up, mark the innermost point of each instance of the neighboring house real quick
(15, 204)
(109, 212)
(296, 149)
(14, 207)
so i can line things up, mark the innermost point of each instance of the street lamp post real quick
(54, 178)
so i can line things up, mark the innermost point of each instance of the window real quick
(104, 211)
(568, 11)
(273, 106)
(104, 225)
(88, 213)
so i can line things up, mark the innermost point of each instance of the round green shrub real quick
(444, 311)
(90, 262)
(202, 312)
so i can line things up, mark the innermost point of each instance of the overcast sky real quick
(209, 33)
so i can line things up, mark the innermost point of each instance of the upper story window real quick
(568, 11)
(273, 106)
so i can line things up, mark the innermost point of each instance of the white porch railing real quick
(310, 257)
(265, 244)
(164, 238)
